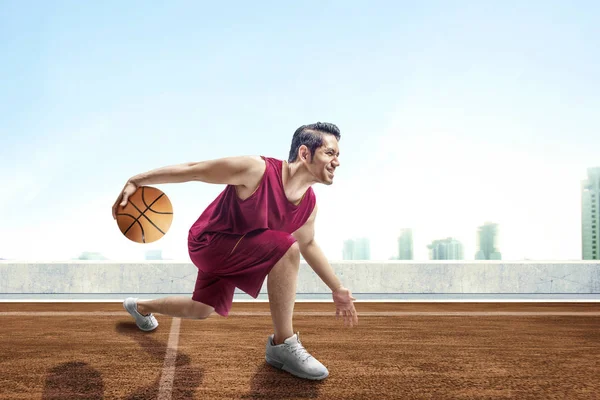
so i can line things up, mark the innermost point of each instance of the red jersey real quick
(266, 208)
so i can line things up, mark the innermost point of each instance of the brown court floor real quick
(100, 354)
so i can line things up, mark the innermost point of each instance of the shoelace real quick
(299, 351)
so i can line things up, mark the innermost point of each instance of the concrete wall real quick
(580, 277)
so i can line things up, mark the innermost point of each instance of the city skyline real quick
(446, 249)
(451, 114)
(405, 245)
(359, 248)
(362, 245)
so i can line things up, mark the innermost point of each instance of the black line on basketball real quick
(153, 224)
(136, 207)
(159, 212)
(142, 214)
(133, 204)
(137, 220)
(128, 215)
(141, 227)
(149, 207)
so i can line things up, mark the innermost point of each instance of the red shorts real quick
(226, 261)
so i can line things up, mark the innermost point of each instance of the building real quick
(356, 249)
(487, 242)
(590, 205)
(446, 249)
(153, 255)
(91, 255)
(405, 245)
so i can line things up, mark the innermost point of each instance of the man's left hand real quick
(344, 306)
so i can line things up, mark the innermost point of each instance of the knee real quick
(199, 311)
(290, 260)
(293, 254)
(201, 316)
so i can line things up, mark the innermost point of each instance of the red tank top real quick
(266, 208)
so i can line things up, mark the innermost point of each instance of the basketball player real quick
(256, 228)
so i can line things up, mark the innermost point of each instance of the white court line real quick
(321, 314)
(168, 373)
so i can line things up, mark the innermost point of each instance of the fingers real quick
(121, 200)
(114, 207)
(125, 198)
(350, 318)
(345, 309)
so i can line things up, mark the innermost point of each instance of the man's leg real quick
(281, 285)
(182, 307)
(291, 356)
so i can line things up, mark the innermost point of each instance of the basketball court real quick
(399, 350)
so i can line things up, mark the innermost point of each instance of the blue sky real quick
(452, 114)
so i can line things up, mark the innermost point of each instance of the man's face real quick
(325, 160)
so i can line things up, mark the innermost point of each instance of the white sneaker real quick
(144, 322)
(292, 357)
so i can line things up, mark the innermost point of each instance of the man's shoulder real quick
(273, 164)
(272, 159)
(257, 162)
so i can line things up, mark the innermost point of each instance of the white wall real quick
(579, 277)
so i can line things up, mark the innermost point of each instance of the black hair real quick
(312, 137)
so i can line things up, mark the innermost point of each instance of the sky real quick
(452, 114)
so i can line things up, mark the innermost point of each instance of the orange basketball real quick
(147, 216)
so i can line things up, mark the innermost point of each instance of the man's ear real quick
(304, 153)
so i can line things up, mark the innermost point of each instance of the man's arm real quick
(239, 171)
(313, 254)
(243, 170)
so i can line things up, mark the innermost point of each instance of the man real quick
(256, 228)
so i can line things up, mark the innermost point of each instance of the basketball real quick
(147, 216)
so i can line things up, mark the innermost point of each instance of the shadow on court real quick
(187, 378)
(73, 380)
(273, 384)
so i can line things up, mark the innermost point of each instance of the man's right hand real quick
(127, 191)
